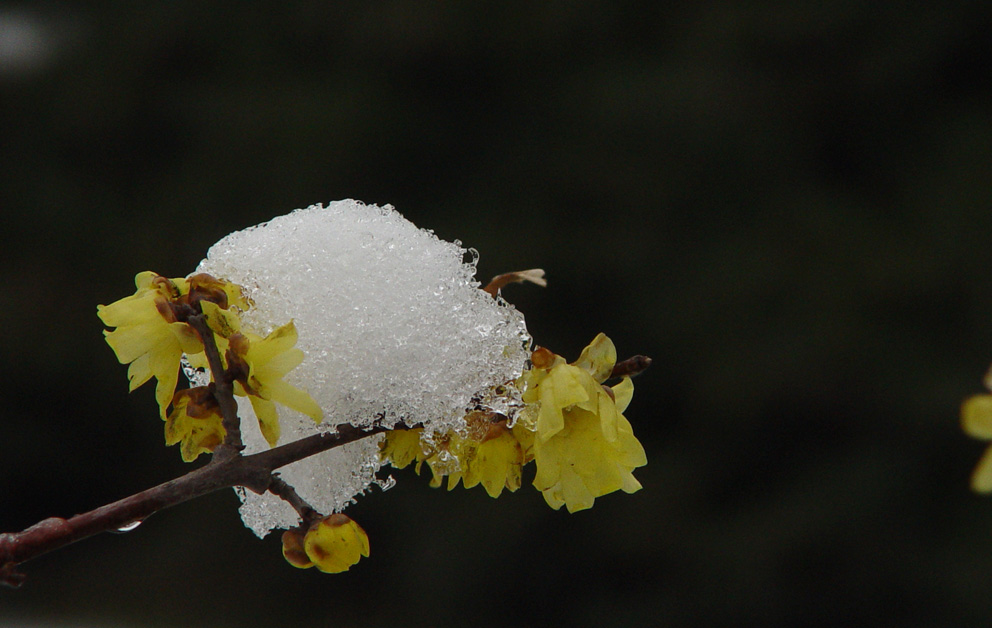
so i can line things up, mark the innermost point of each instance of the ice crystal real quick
(393, 325)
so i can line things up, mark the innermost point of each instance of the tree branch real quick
(253, 472)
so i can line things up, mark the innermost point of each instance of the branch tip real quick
(631, 366)
(533, 275)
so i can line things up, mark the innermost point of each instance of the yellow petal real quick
(132, 310)
(570, 384)
(292, 397)
(598, 358)
(293, 549)
(565, 386)
(139, 371)
(131, 341)
(279, 364)
(981, 478)
(630, 483)
(143, 280)
(550, 458)
(176, 424)
(336, 543)
(165, 365)
(401, 447)
(609, 417)
(281, 339)
(630, 452)
(189, 341)
(498, 464)
(575, 493)
(976, 416)
(623, 393)
(268, 419)
(223, 322)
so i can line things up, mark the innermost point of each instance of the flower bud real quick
(335, 543)
(293, 550)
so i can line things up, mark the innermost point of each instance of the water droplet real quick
(127, 527)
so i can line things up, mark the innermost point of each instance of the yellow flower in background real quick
(333, 544)
(148, 336)
(196, 422)
(583, 446)
(262, 363)
(976, 421)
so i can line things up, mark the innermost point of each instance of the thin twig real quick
(224, 392)
(283, 490)
(253, 472)
(631, 366)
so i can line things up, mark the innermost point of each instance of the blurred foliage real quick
(785, 206)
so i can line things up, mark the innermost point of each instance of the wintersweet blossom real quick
(487, 452)
(195, 421)
(583, 447)
(262, 363)
(148, 335)
(498, 462)
(400, 447)
(151, 334)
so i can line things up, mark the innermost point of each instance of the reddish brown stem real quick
(284, 491)
(253, 472)
(631, 366)
(224, 389)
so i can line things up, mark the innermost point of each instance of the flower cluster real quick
(572, 427)
(489, 452)
(373, 294)
(153, 333)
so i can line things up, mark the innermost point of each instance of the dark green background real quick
(788, 208)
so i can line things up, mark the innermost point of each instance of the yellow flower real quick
(452, 459)
(195, 421)
(333, 544)
(583, 446)
(261, 364)
(498, 462)
(400, 447)
(489, 454)
(148, 335)
(151, 331)
(976, 421)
